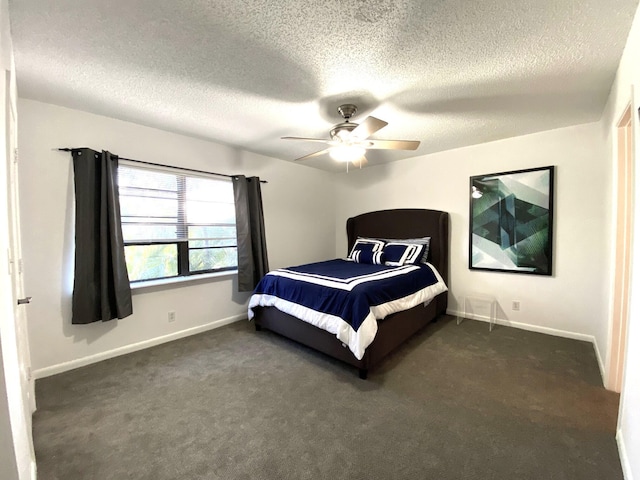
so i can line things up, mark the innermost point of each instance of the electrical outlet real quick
(515, 305)
(171, 316)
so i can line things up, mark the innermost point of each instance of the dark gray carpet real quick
(456, 402)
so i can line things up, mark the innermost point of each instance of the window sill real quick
(167, 282)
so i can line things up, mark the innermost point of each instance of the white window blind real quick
(195, 213)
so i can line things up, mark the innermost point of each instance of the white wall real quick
(626, 87)
(572, 302)
(299, 221)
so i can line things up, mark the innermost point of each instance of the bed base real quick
(393, 331)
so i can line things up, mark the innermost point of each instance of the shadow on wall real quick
(238, 161)
(68, 247)
(239, 298)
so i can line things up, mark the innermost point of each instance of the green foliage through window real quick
(174, 223)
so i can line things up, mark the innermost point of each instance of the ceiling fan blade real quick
(311, 155)
(392, 144)
(368, 127)
(323, 140)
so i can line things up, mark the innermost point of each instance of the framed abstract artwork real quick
(511, 221)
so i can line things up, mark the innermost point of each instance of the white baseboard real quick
(546, 330)
(624, 458)
(600, 362)
(526, 326)
(134, 347)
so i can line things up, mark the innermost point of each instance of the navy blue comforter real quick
(346, 298)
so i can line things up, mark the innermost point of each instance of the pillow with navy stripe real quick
(369, 256)
(426, 241)
(366, 245)
(403, 253)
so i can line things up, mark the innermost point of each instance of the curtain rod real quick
(66, 149)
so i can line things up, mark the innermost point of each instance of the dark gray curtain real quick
(101, 288)
(253, 263)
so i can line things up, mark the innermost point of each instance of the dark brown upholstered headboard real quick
(408, 223)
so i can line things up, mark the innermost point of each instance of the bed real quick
(396, 328)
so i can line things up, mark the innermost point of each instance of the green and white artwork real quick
(511, 221)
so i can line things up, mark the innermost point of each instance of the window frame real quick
(182, 246)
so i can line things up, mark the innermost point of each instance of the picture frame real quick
(511, 221)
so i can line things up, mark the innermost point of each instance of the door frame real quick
(22, 334)
(623, 243)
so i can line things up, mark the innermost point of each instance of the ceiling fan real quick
(349, 141)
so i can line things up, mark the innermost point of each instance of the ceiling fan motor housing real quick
(347, 110)
(342, 130)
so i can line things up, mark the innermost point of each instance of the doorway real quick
(624, 229)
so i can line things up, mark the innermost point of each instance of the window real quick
(175, 223)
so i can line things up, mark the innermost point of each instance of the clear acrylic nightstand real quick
(479, 305)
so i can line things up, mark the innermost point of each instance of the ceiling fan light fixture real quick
(343, 135)
(346, 153)
(342, 131)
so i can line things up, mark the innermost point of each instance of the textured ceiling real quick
(449, 73)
